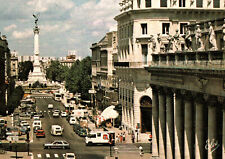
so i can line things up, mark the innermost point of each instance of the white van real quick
(100, 137)
(37, 125)
(56, 130)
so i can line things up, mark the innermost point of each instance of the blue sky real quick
(64, 24)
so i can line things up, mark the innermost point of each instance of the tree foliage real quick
(78, 79)
(56, 71)
(14, 99)
(24, 70)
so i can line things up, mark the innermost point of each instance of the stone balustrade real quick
(196, 59)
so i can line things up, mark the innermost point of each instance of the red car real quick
(40, 133)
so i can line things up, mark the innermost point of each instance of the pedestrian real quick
(121, 137)
(117, 138)
(10, 145)
(132, 137)
(124, 136)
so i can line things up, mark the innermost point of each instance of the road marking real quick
(56, 155)
(47, 155)
(39, 155)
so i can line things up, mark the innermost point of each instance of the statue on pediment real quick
(212, 37)
(160, 44)
(198, 37)
(170, 39)
(188, 40)
(176, 38)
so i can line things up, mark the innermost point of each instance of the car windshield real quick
(92, 135)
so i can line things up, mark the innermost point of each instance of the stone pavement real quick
(127, 149)
(10, 154)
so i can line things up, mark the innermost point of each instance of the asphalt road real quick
(77, 143)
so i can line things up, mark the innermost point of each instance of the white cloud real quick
(44, 5)
(79, 22)
(49, 28)
(22, 34)
(10, 27)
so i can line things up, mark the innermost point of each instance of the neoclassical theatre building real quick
(147, 27)
(188, 96)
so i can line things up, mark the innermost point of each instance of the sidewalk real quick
(127, 149)
(129, 156)
(9, 154)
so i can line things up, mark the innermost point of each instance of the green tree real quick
(56, 71)
(14, 99)
(24, 70)
(78, 79)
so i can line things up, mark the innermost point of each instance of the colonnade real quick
(187, 125)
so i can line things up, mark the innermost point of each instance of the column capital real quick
(177, 92)
(154, 87)
(168, 91)
(198, 97)
(212, 101)
(187, 94)
(160, 90)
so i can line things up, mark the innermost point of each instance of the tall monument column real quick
(36, 75)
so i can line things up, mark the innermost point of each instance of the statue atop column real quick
(36, 17)
(212, 37)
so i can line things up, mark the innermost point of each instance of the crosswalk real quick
(48, 155)
(43, 97)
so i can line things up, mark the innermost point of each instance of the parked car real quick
(12, 131)
(36, 117)
(69, 156)
(25, 124)
(76, 128)
(24, 130)
(40, 133)
(72, 120)
(41, 114)
(63, 114)
(57, 144)
(83, 132)
(55, 114)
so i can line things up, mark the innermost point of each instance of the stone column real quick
(199, 128)
(162, 124)
(169, 124)
(223, 142)
(155, 116)
(188, 127)
(178, 126)
(212, 128)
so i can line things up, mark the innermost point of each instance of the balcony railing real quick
(197, 59)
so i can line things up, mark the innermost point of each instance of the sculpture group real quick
(194, 39)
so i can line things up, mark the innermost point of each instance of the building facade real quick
(104, 81)
(188, 96)
(14, 65)
(5, 74)
(146, 27)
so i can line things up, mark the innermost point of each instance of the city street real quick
(77, 143)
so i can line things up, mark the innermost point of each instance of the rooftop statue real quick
(198, 37)
(176, 38)
(170, 39)
(212, 37)
(188, 40)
